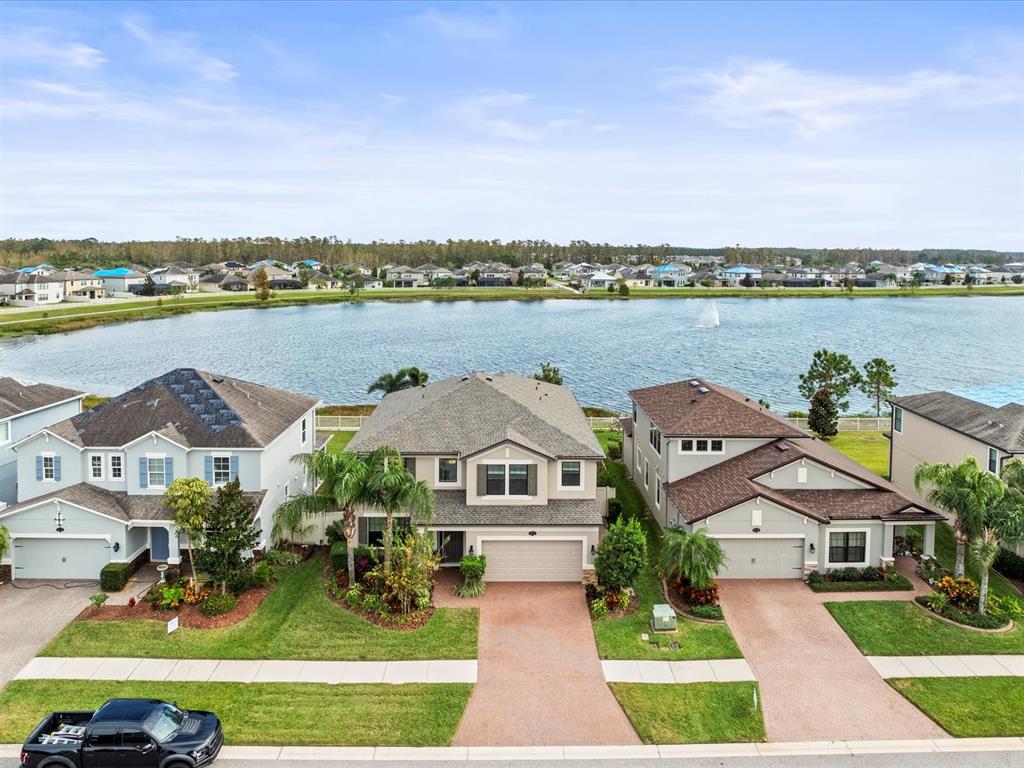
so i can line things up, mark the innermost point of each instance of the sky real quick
(811, 125)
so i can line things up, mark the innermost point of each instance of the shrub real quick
(335, 532)
(697, 596)
(614, 510)
(114, 576)
(845, 574)
(131, 602)
(707, 612)
(931, 570)
(170, 597)
(472, 568)
(366, 557)
(241, 582)
(193, 593)
(615, 451)
(599, 608)
(604, 477)
(1010, 564)
(939, 603)
(870, 573)
(261, 574)
(882, 585)
(815, 577)
(282, 557)
(1004, 607)
(935, 601)
(621, 555)
(354, 596)
(98, 600)
(962, 593)
(339, 556)
(218, 604)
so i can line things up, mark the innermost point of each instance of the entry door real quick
(159, 549)
(452, 545)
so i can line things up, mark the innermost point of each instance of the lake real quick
(974, 345)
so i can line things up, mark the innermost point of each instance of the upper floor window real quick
(572, 474)
(96, 467)
(49, 465)
(221, 470)
(116, 467)
(701, 445)
(303, 431)
(495, 479)
(655, 437)
(639, 458)
(647, 473)
(897, 419)
(507, 480)
(993, 461)
(156, 475)
(410, 464)
(657, 491)
(518, 480)
(447, 471)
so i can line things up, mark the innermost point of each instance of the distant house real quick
(495, 275)
(740, 273)
(120, 281)
(877, 280)
(600, 280)
(174, 278)
(670, 275)
(401, 276)
(324, 281)
(31, 289)
(39, 269)
(80, 286)
(224, 281)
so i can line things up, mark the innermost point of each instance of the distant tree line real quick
(90, 252)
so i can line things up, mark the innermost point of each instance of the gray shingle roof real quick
(193, 408)
(16, 397)
(451, 509)
(466, 414)
(1002, 427)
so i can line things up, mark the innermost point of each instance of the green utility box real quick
(663, 618)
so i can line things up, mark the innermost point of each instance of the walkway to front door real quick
(539, 679)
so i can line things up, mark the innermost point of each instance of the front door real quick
(159, 549)
(451, 545)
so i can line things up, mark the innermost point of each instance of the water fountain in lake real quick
(709, 316)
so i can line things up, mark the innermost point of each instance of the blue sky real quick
(803, 124)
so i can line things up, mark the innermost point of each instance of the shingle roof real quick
(1001, 427)
(466, 414)
(16, 397)
(734, 481)
(698, 408)
(193, 408)
(451, 509)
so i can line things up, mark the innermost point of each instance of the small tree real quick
(947, 279)
(261, 283)
(228, 534)
(148, 287)
(877, 381)
(391, 488)
(5, 542)
(549, 373)
(621, 555)
(407, 572)
(189, 499)
(693, 557)
(623, 288)
(747, 281)
(1003, 526)
(823, 419)
(833, 371)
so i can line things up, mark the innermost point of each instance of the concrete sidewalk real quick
(245, 671)
(713, 671)
(948, 666)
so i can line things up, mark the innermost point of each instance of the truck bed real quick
(61, 728)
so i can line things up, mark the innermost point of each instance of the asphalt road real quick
(912, 760)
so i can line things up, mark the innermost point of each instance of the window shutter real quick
(363, 535)
(143, 473)
(39, 468)
(208, 469)
(481, 479)
(234, 467)
(531, 479)
(56, 468)
(168, 470)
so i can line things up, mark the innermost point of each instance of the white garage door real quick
(536, 560)
(60, 558)
(762, 558)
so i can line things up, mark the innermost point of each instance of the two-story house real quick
(24, 410)
(80, 286)
(513, 466)
(90, 487)
(31, 289)
(780, 502)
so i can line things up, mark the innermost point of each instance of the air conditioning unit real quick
(663, 618)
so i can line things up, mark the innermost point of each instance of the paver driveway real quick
(29, 619)
(815, 684)
(539, 680)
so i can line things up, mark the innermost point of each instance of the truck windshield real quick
(164, 721)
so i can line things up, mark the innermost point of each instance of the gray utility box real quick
(663, 618)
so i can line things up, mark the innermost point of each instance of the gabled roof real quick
(466, 414)
(191, 408)
(1001, 428)
(16, 397)
(698, 408)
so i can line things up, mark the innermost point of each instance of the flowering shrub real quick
(963, 593)
(694, 596)
(193, 593)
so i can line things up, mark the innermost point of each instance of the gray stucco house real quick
(24, 410)
(90, 487)
(780, 502)
(513, 466)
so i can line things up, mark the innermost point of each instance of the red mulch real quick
(406, 623)
(188, 615)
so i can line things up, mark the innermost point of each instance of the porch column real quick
(173, 545)
(929, 540)
(888, 532)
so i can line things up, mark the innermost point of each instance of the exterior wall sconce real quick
(117, 546)
(812, 547)
(471, 549)
(757, 530)
(593, 550)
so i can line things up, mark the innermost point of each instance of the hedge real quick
(114, 576)
(1009, 564)
(339, 556)
(887, 585)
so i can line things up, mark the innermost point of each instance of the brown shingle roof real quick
(1002, 427)
(698, 408)
(16, 397)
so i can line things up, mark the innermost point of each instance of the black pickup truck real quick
(125, 733)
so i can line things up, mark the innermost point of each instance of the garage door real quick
(536, 560)
(59, 558)
(762, 558)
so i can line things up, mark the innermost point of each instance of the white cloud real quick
(180, 50)
(510, 115)
(758, 93)
(463, 28)
(392, 100)
(40, 45)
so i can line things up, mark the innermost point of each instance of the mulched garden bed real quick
(188, 615)
(406, 623)
(950, 620)
(673, 598)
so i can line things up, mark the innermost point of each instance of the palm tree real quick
(403, 378)
(1004, 524)
(1013, 475)
(392, 489)
(964, 490)
(339, 482)
(415, 376)
(694, 557)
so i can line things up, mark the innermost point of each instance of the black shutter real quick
(531, 479)
(481, 479)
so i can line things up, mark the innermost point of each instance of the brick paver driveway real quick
(539, 679)
(815, 684)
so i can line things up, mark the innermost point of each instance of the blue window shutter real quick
(56, 468)
(143, 473)
(168, 470)
(234, 467)
(208, 469)
(39, 468)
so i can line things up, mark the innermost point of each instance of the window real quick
(638, 458)
(303, 431)
(155, 471)
(572, 474)
(801, 474)
(647, 472)
(116, 467)
(657, 491)
(701, 445)
(410, 465)
(447, 471)
(897, 419)
(132, 738)
(518, 480)
(634, 413)
(96, 467)
(993, 460)
(103, 737)
(5, 431)
(654, 435)
(716, 446)
(495, 479)
(49, 468)
(221, 470)
(847, 547)
(374, 531)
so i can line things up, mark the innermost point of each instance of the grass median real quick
(969, 707)
(696, 713)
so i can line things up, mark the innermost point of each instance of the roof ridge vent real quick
(703, 390)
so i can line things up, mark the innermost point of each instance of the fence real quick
(852, 423)
(339, 423)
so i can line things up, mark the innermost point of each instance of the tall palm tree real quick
(403, 378)
(415, 376)
(695, 557)
(1003, 525)
(392, 489)
(964, 490)
(1013, 475)
(339, 482)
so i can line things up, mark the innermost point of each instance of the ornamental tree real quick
(189, 499)
(229, 533)
(621, 555)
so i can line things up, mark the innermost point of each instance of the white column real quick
(888, 531)
(929, 540)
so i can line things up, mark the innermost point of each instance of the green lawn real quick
(264, 713)
(969, 706)
(900, 628)
(945, 552)
(339, 440)
(868, 448)
(620, 638)
(697, 713)
(296, 621)
(606, 437)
